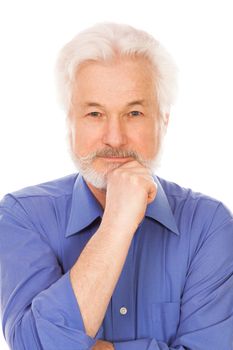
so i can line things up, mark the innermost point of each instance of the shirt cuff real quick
(138, 344)
(58, 315)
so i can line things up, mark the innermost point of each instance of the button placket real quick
(123, 302)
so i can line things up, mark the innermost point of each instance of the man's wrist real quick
(115, 224)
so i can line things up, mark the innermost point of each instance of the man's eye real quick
(94, 114)
(135, 113)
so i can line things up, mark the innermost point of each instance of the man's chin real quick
(98, 177)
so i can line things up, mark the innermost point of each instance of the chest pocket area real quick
(165, 320)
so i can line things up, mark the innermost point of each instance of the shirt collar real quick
(160, 209)
(85, 208)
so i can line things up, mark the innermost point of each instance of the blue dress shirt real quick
(175, 290)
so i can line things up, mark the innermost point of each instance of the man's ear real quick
(166, 119)
(70, 133)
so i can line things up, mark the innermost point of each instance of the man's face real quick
(114, 117)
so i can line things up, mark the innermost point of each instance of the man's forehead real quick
(119, 86)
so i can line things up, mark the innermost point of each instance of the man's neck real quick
(100, 195)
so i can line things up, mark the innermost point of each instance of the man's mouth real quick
(117, 159)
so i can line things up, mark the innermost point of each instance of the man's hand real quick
(103, 345)
(130, 188)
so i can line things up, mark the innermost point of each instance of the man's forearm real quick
(97, 270)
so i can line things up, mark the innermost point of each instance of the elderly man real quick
(114, 257)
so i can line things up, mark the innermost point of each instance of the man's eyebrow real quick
(136, 102)
(133, 103)
(92, 104)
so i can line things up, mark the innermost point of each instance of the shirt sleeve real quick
(39, 308)
(206, 315)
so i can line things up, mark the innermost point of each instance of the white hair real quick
(104, 42)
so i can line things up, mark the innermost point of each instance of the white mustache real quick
(111, 153)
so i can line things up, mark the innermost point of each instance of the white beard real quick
(99, 179)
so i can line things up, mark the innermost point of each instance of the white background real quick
(198, 34)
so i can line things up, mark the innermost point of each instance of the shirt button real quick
(123, 310)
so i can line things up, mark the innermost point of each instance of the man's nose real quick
(114, 132)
